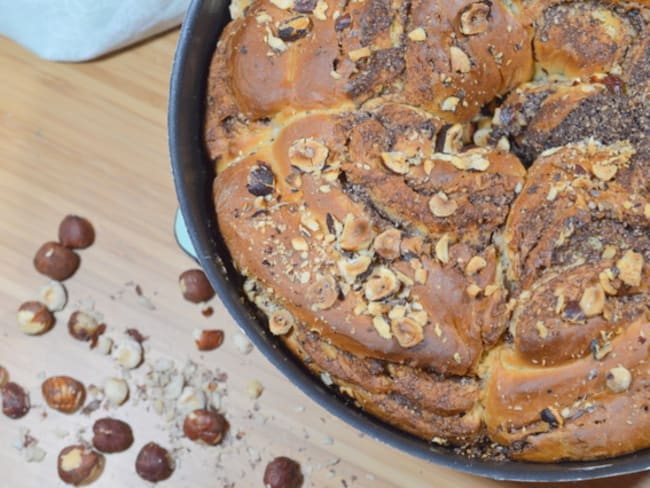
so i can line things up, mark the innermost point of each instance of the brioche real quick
(443, 209)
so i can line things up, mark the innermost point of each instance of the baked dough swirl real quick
(443, 208)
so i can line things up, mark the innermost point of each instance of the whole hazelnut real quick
(84, 326)
(56, 261)
(112, 435)
(63, 393)
(34, 318)
(54, 296)
(283, 472)
(15, 401)
(195, 286)
(76, 232)
(79, 465)
(4, 376)
(154, 463)
(207, 340)
(205, 426)
(116, 391)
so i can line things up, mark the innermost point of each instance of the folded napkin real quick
(78, 30)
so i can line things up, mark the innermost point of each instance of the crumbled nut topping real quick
(442, 249)
(281, 322)
(592, 302)
(407, 331)
(459, 60)
(475, 264)
(308, 154)
(441, 206)
(357, 54)
(630, 267)
(381, 284)
(474, 19)
(323, 293)
(618, 379)
(417, 35)
(387, 244)
(396, 162)
(357, 233)
(382, 327)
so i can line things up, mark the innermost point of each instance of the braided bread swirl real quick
(373, 190)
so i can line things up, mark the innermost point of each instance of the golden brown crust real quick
(371, 190)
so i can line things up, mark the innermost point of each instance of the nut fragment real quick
(154, 463)
(350, 269)
(79, 465)
(4, 376)
(357, 54)
(417, 35)
(474, 19)
(449, 104)
(604, 170)
(63, 393)
(396, 162)
(308, 154)
(281, 322)
(191, 399)
(254, 388)
(195, 286)
(54, 296)
(618, 379)
(15, 401)
(260, 180)
(630, 267)
(382, 327)
(56, 261)
(387, 244)
(407, 331)
(381, 284)
(592, 302)
(104, 345)
(450, 139)
(475, 264)
(283, 472)
(441, 206)
(357, 233)
(442, 249)
(116, 391)
(323, 294)
(205, 426)
(84, 326)
(294, 28)
(128, 353)
(112, 435)
(207, 339)
(76, 232)
(460, 62)
(34, 318)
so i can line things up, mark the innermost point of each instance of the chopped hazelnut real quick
(350, 269)
(294, 28)
(407, 331)
(618, 379)
(323, 293)
(475, 264)
(592, 302)
(441, 206)
(417, 35)
(116, 391)
(474, 19)
(357, 54)
(449, 104)
(396, 162)
(382, 327)
(604, 170)
(630, 267)
(54, 296)
(128, 353)
(357, 233)
(381, 284)
(308, 155)
(387, 244)
(459, 60)
(442, 249)
(281, 322)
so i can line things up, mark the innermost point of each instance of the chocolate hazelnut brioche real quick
(443, 208)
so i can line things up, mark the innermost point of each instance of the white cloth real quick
(78, 30)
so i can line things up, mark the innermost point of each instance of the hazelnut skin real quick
(205, 426)
(195, 286)
(154, 463)
(63, 393)
(56, 261)
(208, 340)
(112, 435)
(283, 472)
(15, 401)
(4, 376)
(79, 465)
(76, 232)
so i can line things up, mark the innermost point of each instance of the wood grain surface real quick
(91, 139)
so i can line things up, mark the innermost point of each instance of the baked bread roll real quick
(443, 208)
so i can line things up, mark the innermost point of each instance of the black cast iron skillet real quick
(193, 176)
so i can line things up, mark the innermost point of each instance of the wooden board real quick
(91, 139)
